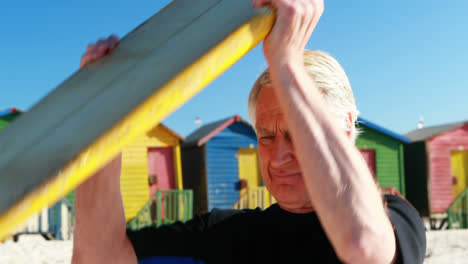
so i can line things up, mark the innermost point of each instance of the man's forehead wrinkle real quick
(263, 130)
(273, 110)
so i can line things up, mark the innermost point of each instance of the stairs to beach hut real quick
(164, 207)
(457, 213)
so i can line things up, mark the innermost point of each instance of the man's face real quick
(278, 163)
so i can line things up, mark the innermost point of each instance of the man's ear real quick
(349, 124)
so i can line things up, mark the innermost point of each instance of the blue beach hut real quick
(217, 160)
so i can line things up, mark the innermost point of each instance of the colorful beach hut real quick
(383, 151)
(437, 167)
(150, 163)
(218, 159)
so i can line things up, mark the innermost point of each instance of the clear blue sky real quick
(404, 59)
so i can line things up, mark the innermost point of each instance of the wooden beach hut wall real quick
(383, 151)
(215, 158)
(437, 167)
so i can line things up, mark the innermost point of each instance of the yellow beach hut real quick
(151, 163)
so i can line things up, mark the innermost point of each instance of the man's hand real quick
(99, 49)
(295, 22)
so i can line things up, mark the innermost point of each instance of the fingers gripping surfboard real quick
(86, 121)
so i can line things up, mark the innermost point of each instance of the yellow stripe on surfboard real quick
(148, 114)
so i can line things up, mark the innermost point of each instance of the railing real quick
(458, 212)
(165, 207)
(254, 197)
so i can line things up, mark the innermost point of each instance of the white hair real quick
(332, 82)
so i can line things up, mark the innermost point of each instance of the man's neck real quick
(301, 210)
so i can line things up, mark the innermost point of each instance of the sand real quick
(33, 249)
(447, 247)
(444, 247)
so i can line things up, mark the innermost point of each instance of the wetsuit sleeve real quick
(409, 230)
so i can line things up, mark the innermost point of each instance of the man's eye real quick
(266, 140)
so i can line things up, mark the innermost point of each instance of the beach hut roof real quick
(181, 138)
(425, 133)
(9, 111)
(208, 131)
(383, 130)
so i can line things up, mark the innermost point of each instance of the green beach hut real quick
(383, 151)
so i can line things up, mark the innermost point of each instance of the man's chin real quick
(288, 193)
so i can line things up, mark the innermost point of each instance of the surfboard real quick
(87, 120)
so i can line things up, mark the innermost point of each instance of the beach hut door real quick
(369, 157)
(160, 169)
(459, 162)
(249, 169)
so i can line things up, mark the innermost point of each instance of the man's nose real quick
(282, 152)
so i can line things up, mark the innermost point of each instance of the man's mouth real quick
(285, 175)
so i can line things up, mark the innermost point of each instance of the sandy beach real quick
(443, 247)
(447, 247)
(33, 249)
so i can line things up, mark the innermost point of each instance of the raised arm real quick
(336, 177)
(100, 228)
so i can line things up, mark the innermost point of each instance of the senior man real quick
(329, 208)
